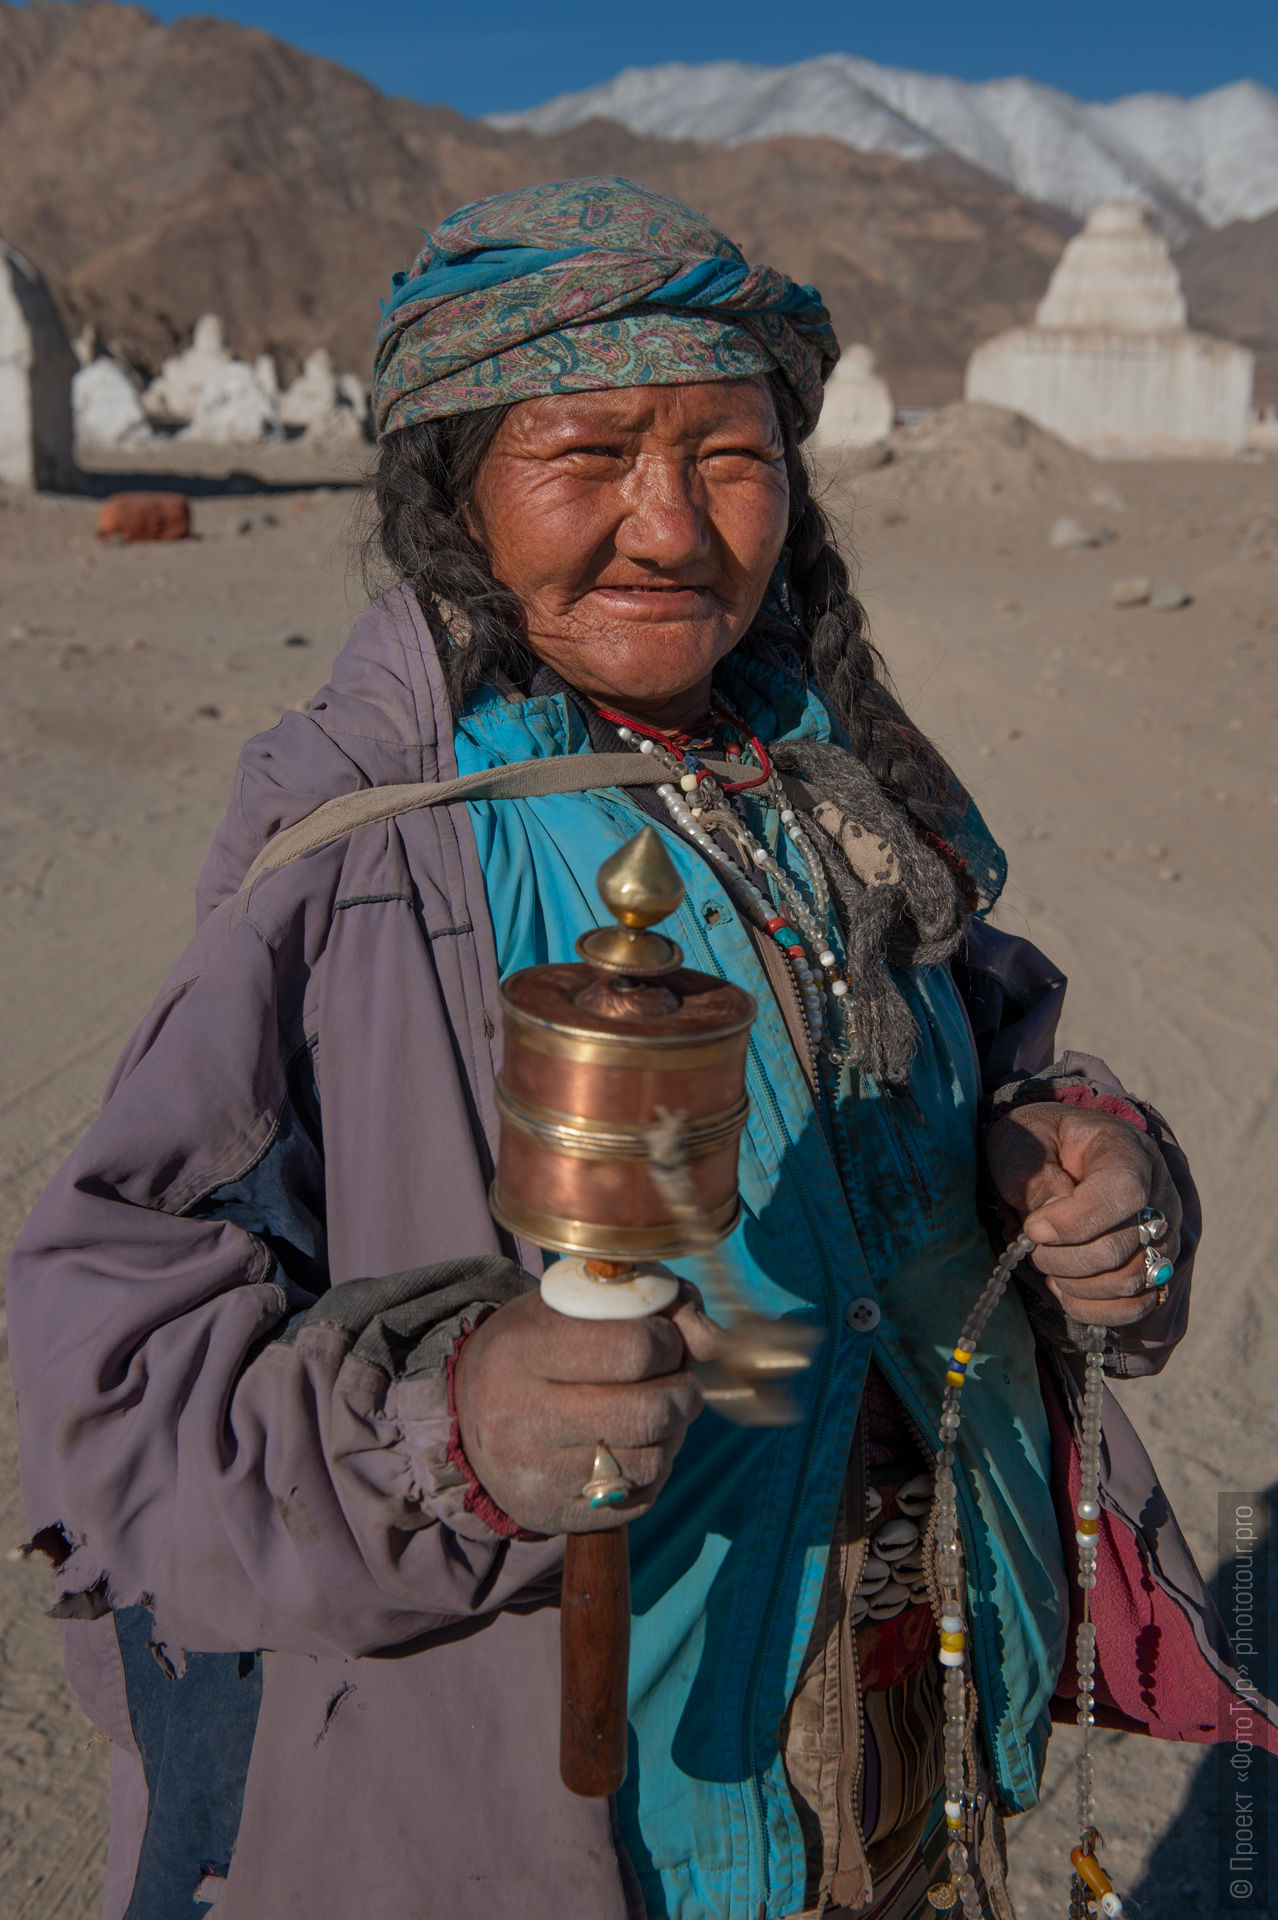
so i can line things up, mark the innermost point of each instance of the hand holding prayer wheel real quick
(573, 1405)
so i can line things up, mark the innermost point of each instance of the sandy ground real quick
(1125, 757)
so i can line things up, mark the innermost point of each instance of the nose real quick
(664, 522)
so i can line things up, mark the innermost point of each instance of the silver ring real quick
(607, 1485)
(1151, 1225)
(1158, 1271)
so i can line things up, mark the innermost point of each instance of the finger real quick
(1111, 1257)
(1023, 1165)
(645, 1415)
(1119, 1311)
(702, 1337)
(588, 1351)
(647, 1469)
(1117, 1179)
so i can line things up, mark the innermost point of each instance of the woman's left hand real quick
(1077, 1179)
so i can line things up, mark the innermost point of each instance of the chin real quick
(666, 665)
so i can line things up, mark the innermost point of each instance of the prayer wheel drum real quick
(591, 1066)
(599, 1054)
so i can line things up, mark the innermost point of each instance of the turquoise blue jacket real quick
(874, 1199)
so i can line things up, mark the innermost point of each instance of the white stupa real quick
(858, 409)
(36, 366)
(1109, 363)
(175, 392)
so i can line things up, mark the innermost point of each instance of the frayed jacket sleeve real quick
(1014, 996)
(199, 1431)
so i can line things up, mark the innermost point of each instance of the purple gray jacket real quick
(233, 1440)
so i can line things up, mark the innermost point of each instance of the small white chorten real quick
(107, 406)
(234, 409)
(858, 409)
(1109, 363)
(36, 365)
(175, 392)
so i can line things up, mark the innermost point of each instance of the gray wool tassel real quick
(898, 903)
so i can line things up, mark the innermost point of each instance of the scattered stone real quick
(249, 521)
(296, 640)
(233, 408)
(1131, 593)
(144, 516)
(1168, 874)
(1169, 598)
(1108, 497)
(1007, 606)
(36, 368)
(268, 374)
(208, 713)
(106, 402)
(1109, 363)
(175, 392)
(858, 410)
(1067, 534)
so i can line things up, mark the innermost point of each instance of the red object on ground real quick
(145, 516)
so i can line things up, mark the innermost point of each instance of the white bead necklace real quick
(693, 797)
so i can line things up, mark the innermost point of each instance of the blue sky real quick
(493, 55)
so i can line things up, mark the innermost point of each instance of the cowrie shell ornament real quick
(915, 1497)
(894, 1539)
(874, 1575)
(889, 1601)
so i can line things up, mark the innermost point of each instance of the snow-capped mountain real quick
(1210, 159)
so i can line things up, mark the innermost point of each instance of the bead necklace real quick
(1090, 1889)
(694, 799)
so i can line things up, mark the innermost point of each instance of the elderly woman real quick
(298, 1432)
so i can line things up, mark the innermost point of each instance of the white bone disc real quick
(568, 1288)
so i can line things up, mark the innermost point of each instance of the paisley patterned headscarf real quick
(582, 285)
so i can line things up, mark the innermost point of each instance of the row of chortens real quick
(1109, 364)
(206, 394)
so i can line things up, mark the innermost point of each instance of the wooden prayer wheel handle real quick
(594, 1642)
(594, 1621)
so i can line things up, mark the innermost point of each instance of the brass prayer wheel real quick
(600, 1052)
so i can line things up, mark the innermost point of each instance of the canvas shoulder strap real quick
(520, 780)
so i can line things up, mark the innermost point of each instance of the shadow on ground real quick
(1217, 1856)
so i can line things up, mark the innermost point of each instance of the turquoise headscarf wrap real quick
(582, 285)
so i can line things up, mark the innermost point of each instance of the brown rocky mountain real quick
(157, 172)
(1230, 277)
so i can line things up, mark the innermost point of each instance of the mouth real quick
(662, 599)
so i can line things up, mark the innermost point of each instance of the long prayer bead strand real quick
(959, 1793)
(1089, 1882)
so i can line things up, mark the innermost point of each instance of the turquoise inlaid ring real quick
(1158, 1269)
(607, 1485)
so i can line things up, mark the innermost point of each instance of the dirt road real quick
(1125, 758)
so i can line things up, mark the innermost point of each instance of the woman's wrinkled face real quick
(639, 528)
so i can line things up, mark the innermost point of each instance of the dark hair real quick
(424, 479)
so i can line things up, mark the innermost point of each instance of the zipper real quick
(758, 1824)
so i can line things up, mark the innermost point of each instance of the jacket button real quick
(862, 1316)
